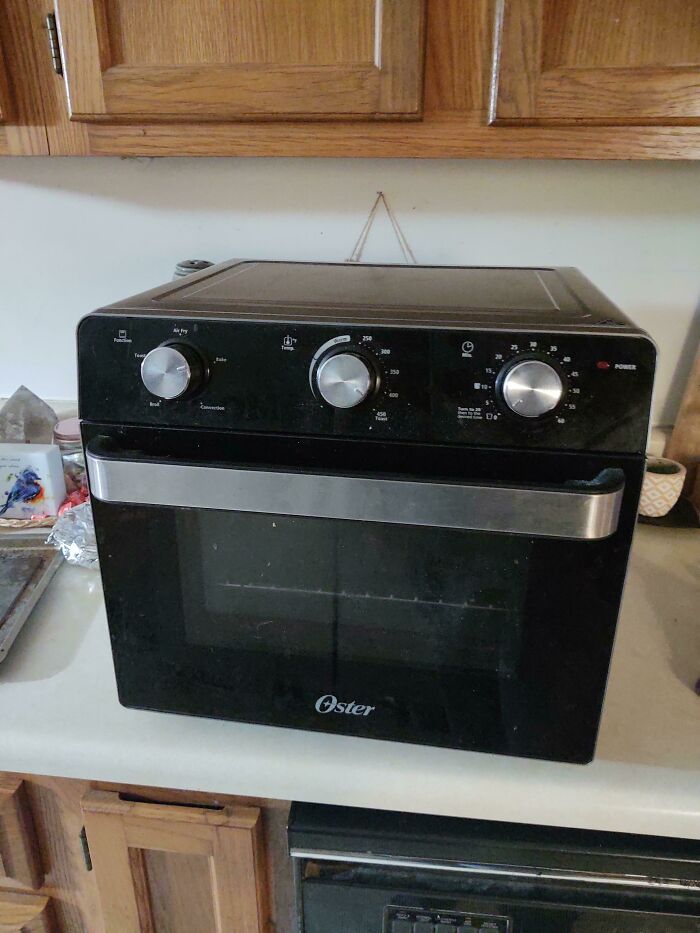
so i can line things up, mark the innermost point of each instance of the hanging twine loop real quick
(356, 254)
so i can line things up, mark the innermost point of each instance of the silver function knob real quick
(171, 370)
(344, 380)
(532, 388)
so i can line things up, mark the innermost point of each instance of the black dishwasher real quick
(366, 871)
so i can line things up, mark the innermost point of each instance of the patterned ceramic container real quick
(663, 482)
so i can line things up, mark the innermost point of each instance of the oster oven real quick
(386, 501)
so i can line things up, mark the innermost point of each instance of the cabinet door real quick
(22, 129)
(599, 62)
(164, 868)
(20, 862)
(227, 60)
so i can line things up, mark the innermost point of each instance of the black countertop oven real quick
(387, 501)
(365, 871)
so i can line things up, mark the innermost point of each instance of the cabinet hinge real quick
(54, 44)
(85, 846)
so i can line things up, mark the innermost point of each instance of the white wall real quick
(77, 233)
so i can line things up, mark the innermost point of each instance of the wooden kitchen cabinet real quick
(88, 857)
(20, 863)
(22, 908)
(612, 62)
(183, 869)
(588, 79)
(25, 913)
(22, 123)
(227, 60)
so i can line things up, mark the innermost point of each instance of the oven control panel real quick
(574, 391)
(417, 920)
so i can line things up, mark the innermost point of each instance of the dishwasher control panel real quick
(420, 920)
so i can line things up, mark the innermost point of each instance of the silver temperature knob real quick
(344, 380)
(172, 370)
(532, 388)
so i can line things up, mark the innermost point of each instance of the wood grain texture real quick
(228, 840)
(247, 32)
(242, 60)
(22, 129)
(621, 34)
(454, 135)
(668, 96)
(213, 93)
(124, 901)
(517, 61)
(150, 919)
(4, 89)
(64, 136)
(55, 805)
(458, 62)
(178, 891)
(595, 62)
(25, 913)
(79, 26)
(400, 55)
(239, 883)
(684, 443)
(20, 858)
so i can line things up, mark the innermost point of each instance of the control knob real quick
(172, 370)
(532, 388)
(345, 380)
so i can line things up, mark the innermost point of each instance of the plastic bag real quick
(74, 536)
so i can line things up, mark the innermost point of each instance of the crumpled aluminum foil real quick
(74, 536)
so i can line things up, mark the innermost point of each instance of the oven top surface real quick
(419, 288)
(413, 295)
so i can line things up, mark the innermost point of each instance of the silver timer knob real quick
(344, 380)
(171, 370)
(532, 388)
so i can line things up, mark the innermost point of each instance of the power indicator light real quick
(602, 364)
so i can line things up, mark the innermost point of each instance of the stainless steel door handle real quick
(588, 511)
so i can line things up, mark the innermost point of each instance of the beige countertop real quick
(60, 715)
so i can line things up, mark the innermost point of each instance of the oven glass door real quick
(470, 602)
